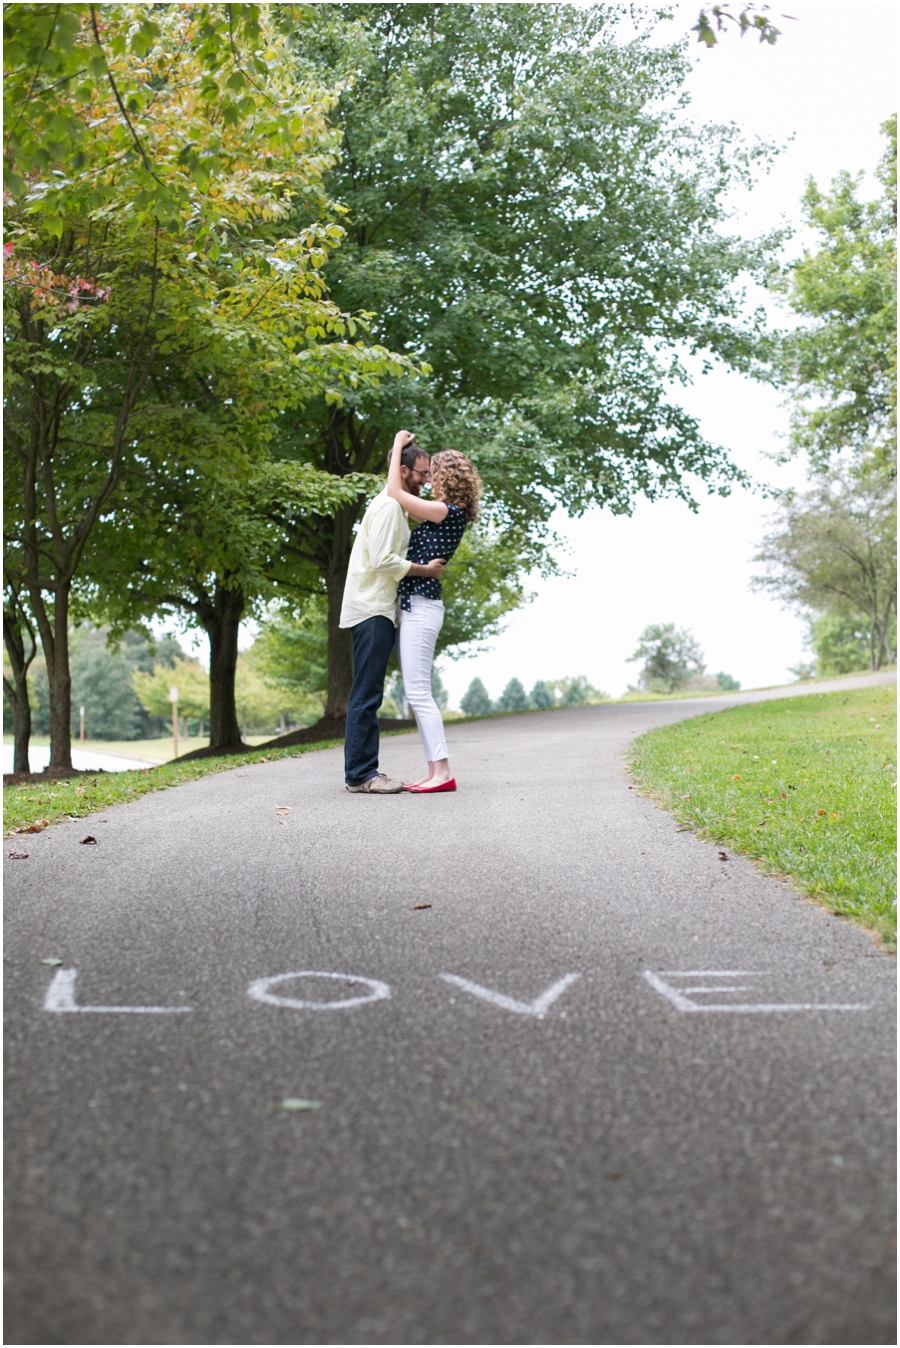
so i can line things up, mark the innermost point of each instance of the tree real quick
(220, 565)
(842, 365)
(102, 671)
(261, 704)
(542, 695)
(476, 702)
(514, 697)
(576, 691)
(834, 550)
(528, 219)
(20, 640)
(188, 676)
(841, 643)
(670, 655)
(290, 653)
(395, 703)
(168, 236)
(751, 19)
(726, 683)
(101, 683)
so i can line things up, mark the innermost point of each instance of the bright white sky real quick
(821, 92)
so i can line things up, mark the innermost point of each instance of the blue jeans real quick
(373, 641)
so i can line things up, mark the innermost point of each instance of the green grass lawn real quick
(806, 786)
(34, 805)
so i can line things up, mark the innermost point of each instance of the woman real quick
(455, 497)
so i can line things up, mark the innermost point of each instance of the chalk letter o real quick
(259, 991)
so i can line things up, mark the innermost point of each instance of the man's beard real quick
(414, 488)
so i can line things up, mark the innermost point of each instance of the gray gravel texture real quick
(620, 1171)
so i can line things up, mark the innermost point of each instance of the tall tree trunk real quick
(55, 643)
(340, 640)
(17, 690)
(221, 621)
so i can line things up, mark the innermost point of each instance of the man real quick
(377, 565)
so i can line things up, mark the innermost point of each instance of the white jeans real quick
(419, 631)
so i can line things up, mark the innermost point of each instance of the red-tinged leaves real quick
(18, 856)
(418, 906)
(89, 839)
(723, 856)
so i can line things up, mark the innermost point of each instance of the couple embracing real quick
(394, 582)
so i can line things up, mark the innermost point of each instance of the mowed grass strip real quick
(35, 805)
(806, 786)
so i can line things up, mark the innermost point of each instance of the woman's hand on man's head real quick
(402, 439)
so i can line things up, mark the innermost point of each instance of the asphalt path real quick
(508, 1155)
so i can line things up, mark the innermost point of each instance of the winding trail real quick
(605, 1089)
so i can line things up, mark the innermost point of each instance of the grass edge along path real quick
(30, 807)
(804, 786)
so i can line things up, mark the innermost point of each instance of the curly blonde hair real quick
(454, 479)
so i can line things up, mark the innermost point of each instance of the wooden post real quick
(81, 731)
(173, 698)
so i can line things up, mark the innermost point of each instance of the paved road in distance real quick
(618, 1163)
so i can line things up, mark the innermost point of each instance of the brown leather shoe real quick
(379, 785)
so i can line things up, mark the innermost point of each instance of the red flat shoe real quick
(431, 790)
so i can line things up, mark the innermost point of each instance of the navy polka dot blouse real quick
(427, 541)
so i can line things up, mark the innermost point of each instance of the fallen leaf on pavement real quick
(723, 856)
(54, 962)
(18, 856)
(296, 1105)
(35, 828)
(421, 905)
(89, 839)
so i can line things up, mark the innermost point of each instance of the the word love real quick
(61, 999)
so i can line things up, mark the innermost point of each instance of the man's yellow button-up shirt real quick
(377, 563)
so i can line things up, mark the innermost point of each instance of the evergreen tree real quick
(476, 701)
(514, 697)
(542, 695)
